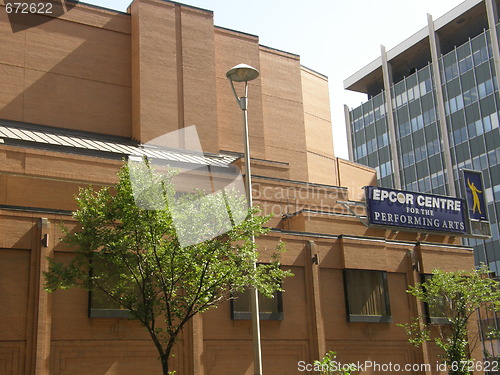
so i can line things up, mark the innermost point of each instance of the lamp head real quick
(242, 73)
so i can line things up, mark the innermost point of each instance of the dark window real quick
(100, 304)
(367, 296)
(435, 314)
(269, 308)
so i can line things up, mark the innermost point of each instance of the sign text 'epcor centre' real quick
(417, 211)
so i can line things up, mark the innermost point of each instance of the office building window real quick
(269, 308)
(367, 296)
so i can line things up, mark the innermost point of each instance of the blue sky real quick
(333, 37)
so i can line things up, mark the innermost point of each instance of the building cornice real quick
(444, 25)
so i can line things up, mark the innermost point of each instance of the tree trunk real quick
(165, 356)
(164, 364)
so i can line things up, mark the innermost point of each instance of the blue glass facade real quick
(471, 103)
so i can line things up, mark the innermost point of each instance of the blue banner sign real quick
(416, 211)
(474, 194)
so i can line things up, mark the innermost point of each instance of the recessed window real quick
(367, 296)
(435, 314)
(102, 305)
(269, 308)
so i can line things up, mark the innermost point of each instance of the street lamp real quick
(245, 73)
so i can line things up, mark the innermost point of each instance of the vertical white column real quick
(440, 106)
(391, 125)
(491, 12)
(350, 132)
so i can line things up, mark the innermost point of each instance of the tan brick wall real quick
(354, 176)
(321, 161)
(80, 345)
(199, 76)
(232, 48)
(154, 69)
(14, 271)
(283, 111)
(67, 74)
(144, 75)
(158, 70)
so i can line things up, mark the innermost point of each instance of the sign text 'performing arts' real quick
(417, 211)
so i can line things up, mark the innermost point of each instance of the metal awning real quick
(63, 140)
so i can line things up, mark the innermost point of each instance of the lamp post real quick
(245, 73)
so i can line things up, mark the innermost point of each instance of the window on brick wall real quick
(434, 314)
(269, 308)
(367, 296)
(100, 304)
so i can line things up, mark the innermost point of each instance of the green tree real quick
(329, 365)
(133, 256)
(457, 296)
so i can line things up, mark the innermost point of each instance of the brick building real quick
(81, 91)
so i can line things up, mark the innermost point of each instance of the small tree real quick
(133, 256)
(458, 296)
(329, 365)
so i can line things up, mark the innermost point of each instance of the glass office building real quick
(433, 109)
